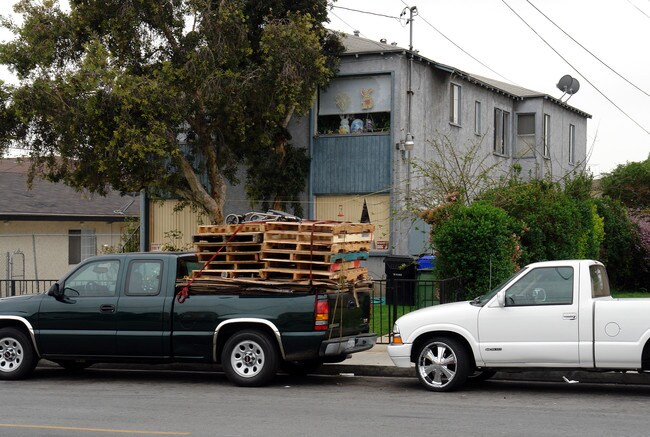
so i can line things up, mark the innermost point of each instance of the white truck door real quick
(538, 325)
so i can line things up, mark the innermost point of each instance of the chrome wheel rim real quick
(437, 364)
(11, 354)
(247, 359)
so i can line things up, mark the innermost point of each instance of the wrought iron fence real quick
(17, 287)
(390, 298)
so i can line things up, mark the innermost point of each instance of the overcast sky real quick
(615, 31)
(486, 37)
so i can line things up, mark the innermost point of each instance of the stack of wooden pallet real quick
(239, 251)
(317, 250)
(281, 252)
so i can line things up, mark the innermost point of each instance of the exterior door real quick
(538, 325)
(83, 322)
(141, 315)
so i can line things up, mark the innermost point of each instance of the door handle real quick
(569, 316)
(107, 308)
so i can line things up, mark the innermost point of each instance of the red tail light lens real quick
(321, 315)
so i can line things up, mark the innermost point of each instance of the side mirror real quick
(501, 298)
(54, 290)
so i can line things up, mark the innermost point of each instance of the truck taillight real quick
(321, 316)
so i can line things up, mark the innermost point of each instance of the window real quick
(542, 286)
(572, 144)
(546, 140)
(355, 105)
(501, 131)
(144, 278)
(525, 135)
(477, 118)
(82, 243)
(454, 108)
(96, 279)
(599, 281)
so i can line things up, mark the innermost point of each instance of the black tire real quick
(249, 359)
(442, 364)
(300, 368)
(481, 376)
(232, 219)
(17, 356)
(74, 365)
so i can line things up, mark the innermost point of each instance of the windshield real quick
(485, 298)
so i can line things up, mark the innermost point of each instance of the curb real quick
(586, 377)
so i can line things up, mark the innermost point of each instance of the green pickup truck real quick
(127, 308)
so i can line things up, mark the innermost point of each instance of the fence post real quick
(13, 288)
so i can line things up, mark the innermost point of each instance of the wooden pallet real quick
(231, 229)
(226, 273)
(334, 228)
(316, 237)
(226, 256)
(306, 255)
(330, 248)
(240, 237)
(311, 265)
(295, 274)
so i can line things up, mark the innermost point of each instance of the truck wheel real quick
(17, 357)
(249, 359)
(442, 364)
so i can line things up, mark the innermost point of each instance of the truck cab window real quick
(542, 286)
(144, 278)
(96, 279)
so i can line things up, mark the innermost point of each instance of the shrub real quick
(478, 243)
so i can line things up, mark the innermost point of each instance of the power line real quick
(638, 9)
(587, 50)
(460, 48)
(369, 13)
(576, 70)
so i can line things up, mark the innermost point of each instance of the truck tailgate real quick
(349, 313)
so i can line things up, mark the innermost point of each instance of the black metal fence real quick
(17, 287)
(390, 299)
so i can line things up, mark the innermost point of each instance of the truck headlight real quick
(397, 337)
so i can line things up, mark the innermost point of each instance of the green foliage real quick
(171, 96)
(478, 243)
(554, 221)
(130, 238)
(174, 242)
(629, 183)
(618, 249)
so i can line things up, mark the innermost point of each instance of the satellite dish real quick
(565, 83)
(568, 85)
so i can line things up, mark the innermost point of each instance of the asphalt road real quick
(100, 402)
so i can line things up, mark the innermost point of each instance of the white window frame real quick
(477, 118)
(572, 144)
(455, 104)
(546, 136)
(501, 132)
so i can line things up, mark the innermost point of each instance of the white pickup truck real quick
(553, 315)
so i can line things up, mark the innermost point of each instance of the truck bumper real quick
(347, 345)
(400, 354)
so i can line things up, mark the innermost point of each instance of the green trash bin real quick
(426, 290)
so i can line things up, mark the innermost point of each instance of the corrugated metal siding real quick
(351, 164)
(348, 208)
(163, 219)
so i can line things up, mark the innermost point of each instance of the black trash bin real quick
(401, 272)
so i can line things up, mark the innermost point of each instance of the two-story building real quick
(384, 108)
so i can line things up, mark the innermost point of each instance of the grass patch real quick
(630, 294)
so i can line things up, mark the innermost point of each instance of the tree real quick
(170, 95)
(629, 183)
